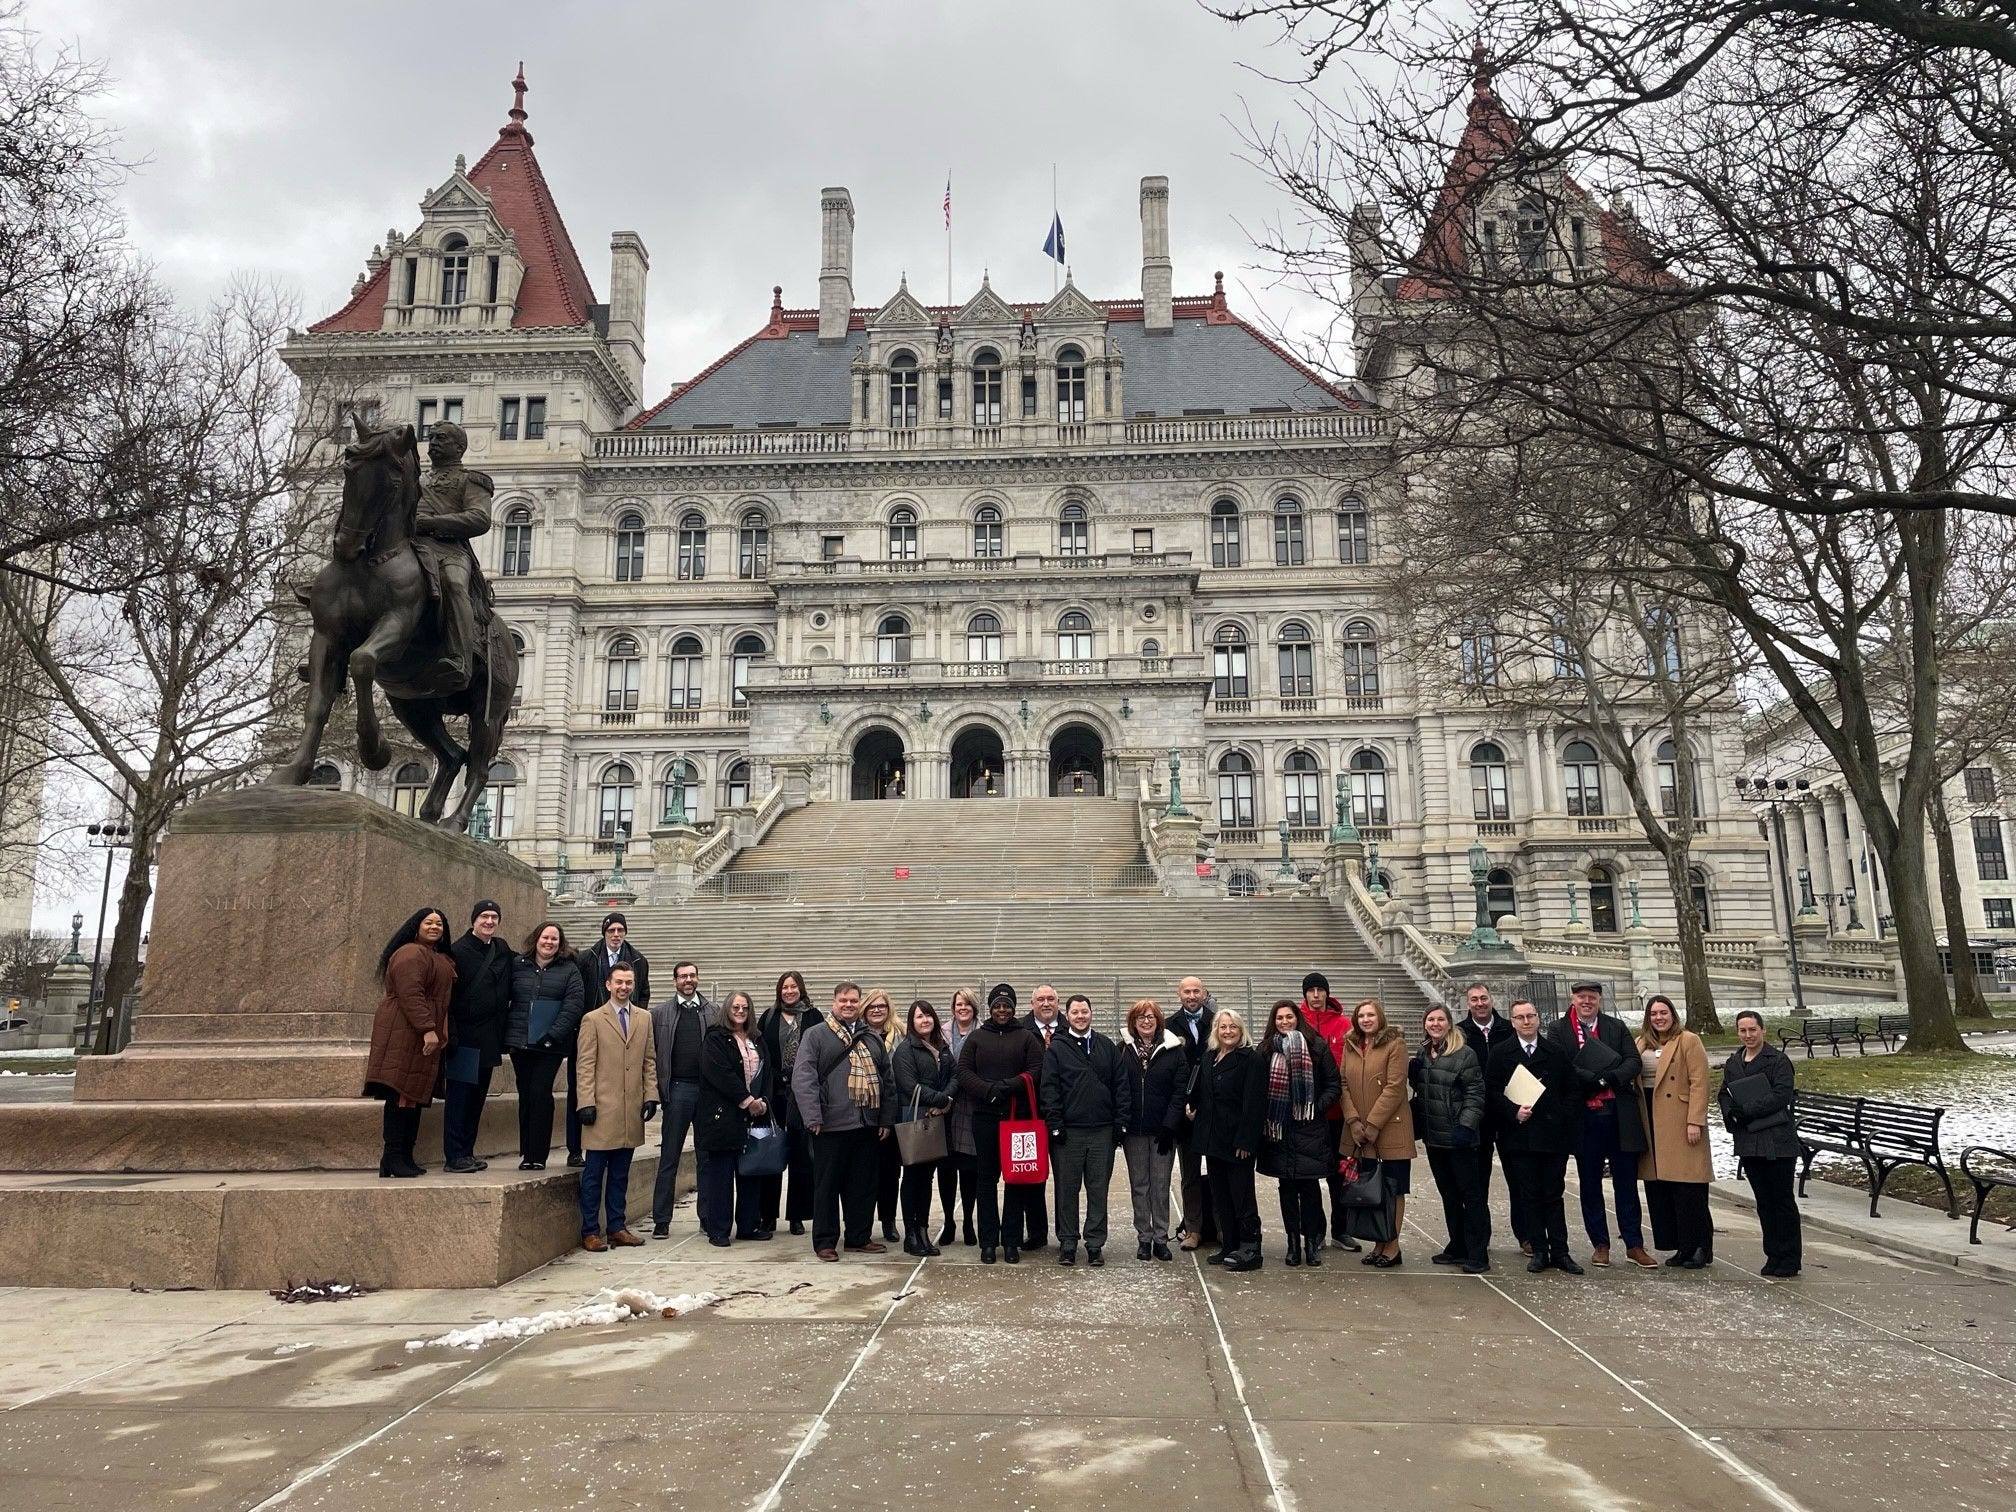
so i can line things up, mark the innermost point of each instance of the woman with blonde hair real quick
(1225, 1130)
(1448, 1083)
(1377, 1120)
(879, 1014)
(1676, 1166)
(958, 1175)
(1157, 1066)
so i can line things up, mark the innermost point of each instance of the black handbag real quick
(1364, 1181)
(1740, 1097)
(764, 1154)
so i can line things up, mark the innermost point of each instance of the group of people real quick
(794, 1112)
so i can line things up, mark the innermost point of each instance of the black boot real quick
(391, 1136)
(404, 1129)
(966, 1234)
(910, 1244)
(1294, 1250)
(1312, 1251)
(889, 1233)
(948, 1233)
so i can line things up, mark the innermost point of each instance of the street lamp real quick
(72, 956)
(1776, 794)
(1482, 936)
(108, 835)
(1175, 809)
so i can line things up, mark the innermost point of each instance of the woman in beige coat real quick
(1377, 1120)
(1676, 1167)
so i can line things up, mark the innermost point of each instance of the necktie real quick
(623, 1021)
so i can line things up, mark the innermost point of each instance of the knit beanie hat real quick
(486, 905)
(999, 992)
(1315, 979)
(612, 917)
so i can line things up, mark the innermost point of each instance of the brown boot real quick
(1600, 1255)
(1639, 1256)
(623, 1239)
(594, 1243)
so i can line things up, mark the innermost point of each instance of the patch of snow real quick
(610, 1305)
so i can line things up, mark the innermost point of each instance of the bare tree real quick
(25, 959)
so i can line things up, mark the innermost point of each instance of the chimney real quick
(836, 263)
(628, 265)
(1157, 311)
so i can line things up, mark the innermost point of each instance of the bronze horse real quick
(373, 624)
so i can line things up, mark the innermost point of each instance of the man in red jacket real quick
(1333, 1023)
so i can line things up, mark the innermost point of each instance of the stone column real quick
(672, 849)
(63, 1004)
(1840, 866)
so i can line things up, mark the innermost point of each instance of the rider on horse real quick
(454, 506)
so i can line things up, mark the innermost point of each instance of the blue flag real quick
(1053, 245)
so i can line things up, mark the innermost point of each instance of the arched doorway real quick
(1077, 762)
(977, 763)
(878, 765)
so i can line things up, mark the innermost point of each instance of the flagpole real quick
(948, 241)
(1053, 222)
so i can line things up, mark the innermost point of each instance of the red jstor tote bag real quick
(1025, 1143)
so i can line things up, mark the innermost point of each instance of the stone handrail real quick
(1401, 943)
(715, 853)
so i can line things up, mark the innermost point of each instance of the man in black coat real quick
(1613, 1131)
(679, 1025)
(1483, 1027)
(1045, 1020)
(595, 962)
(1087, 1100)
(479, 1012)
(1191, 1023)
(1535, 1141)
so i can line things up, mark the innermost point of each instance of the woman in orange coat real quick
(1676, 1166)
(1377, 1119)
(409, 1032)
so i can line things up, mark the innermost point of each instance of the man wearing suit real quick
(1613, 1131)
(1045, 1022)
(679, 1025)
(618, 1082)
(1535, 1142)
(1191, 1023)
(595, 963)
(1484, 1027)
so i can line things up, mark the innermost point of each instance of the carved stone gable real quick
(1069, 307)
(902, 312)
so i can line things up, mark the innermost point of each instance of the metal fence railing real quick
(928, 883)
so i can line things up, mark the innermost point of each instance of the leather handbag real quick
(1025, 1142)
(764, 1154)
(1364, 1181)
(920, 1139)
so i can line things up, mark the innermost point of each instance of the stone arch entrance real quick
(1077, 762)
(879, 771)
(978, 763)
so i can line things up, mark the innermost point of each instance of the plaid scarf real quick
(1291, 1084)
(864, 1084)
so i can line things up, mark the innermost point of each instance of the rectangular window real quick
(1578, 241)
(535, 417)
(507, 421)
(1991, 863)
(430, 410)
(944, 398)
(830, 548)
(1144, 542)
(490, 289)
(1028, 398)
(1999, 913)
(1980, 784)
(412, 280)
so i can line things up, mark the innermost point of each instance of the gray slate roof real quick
(1197, 366)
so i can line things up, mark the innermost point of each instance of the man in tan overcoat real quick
(616, 1068)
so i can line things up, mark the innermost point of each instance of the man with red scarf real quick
(1333, 1023)
(1613, 1132)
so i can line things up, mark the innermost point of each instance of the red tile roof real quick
(555, 291)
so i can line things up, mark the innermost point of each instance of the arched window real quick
(626, 672)
(1582, 777)
(687, 776)
(1602, 900)
(983, 638)
(1151, 648)
(903, 534)
(1302, 790)
(1070, 386)
(1074, 531)
(1477, 654)
(1501, 897)
(892, 640)
(501, 795)
(616, 808)
(1490, 784)
(987, 534)
(629, 547)
(752, 546)
(688, 673)
(1235, 791)
(1297, 661)
(987, 387)
(1662, 643)
(1225, 534)
(1074, 636)
(1289, 550)
(1368, 788)
(692, 547)
(1697, 890)
(735, 786)
(1228, 664)
(1567, 656)
(454, 271)
(409, 787)
(517, 542)
(903, 390)
(1354, 531)
(748, 651)
(325, 775)
(1361, 660)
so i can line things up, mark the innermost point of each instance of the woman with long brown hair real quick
(1377, 1120)
(409, 1032)
(1676, 1166)
(781, 1026)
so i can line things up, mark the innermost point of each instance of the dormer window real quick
(987, 388)
(454, 271)
(903, 388)
(1070, 386)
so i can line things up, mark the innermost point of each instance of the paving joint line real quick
(145, 1359)
(1280, 1496)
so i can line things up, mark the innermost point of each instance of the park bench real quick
(1882, 1135)
(1988, 1168)
(1822, 1031)
(1892, 1029)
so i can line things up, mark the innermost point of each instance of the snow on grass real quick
(611, 1305)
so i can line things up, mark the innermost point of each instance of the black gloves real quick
(1164, 1143)
(1056, 1138)
(587, 1115)
(1119, 1136)
(1413, 1065)
(650, 1111)
(1464, 1138)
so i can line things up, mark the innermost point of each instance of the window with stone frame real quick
(1490, 783)
(625, 674)
(629, 547)
(1236, 807)
(500, 793)
(1302, 790)
(1582, 779)
(1998, 913)
(1980, 784)
(535, 417)
(1074, 531)
(904, 388)
(735, 787)
(1697, 893)
(752, 546)
(903, 535)
(517, 558)
(1229, 668)
(1297, 661)
(1070, 386)
(616, 802)
(1361, 660)
(507, 420)
(1602, 900)
(1477, 654)
(409, 788)
(1074, 636)
(1991, 862)
(1354, 532)
(1368, 788)
(454, 271)
(892, 640)
(686, 673)
(983, 637)
(989, 540)
(1290, 550)
(1225, 546)
(748, 650)
(987, 387)
(692, 548)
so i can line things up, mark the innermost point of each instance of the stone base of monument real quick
(229, 1144)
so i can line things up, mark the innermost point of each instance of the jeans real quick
(1601, 1147)
(1233, 1199)
(1539, 1182)
(1148, 1176)
(1680, 1221)
(1466, 1213)
(462, 1116)
(536, 1071)
(605, 1180)
(1301, 1208)
(1777, 1208)
(674, 1120)
(726, 1195)
(845, 1165)
(1008, 1222)
(1084, 1161)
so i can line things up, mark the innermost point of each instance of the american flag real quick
(948, 202)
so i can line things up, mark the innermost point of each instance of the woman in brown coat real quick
(1377, 1119)
(409, 1031)
(1676, 1167)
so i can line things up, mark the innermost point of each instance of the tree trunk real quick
(1968, 1001)
(1932, 1025)
(122, 971)
(1695, 987)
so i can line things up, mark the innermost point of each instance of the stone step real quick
(948, 831)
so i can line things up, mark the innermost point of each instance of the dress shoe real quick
(1445, 1258)
(717, 1243)
(826, 1254)
(466, 1166)
(1033, 1245)
(1011, 1255)
(1600, 1257)
(1162, 1251)
(1068, 1255)
(1476, 1267)
(1526, 1247)
(910, 1244)
(1187, 1240)
(889, 1235)
(987, 1255)
(624, 1239)
(1677, 1259)
(1641, 1257)
(870, 1248)
(1096, 1258)
(1294, 1251)
(797, 1226)
(594, 1243)
(531, 1165)
(574, 1162)
(1141, 1250)
(966, 1235)
(768, 1233)
(1536, 1265)
(924, 1245)
(1371, 1259)
(1247, 1259)
(1695, 1261)
(1564, 1263)
(1389, 1262)
(661, 1231)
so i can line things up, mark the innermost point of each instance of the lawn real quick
(38, 1065)
(1904, 1078)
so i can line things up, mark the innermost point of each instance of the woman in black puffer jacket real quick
(1299, 1084)
(1225, 1130)
(1448, 1088)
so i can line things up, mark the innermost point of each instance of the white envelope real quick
(1524, 1089)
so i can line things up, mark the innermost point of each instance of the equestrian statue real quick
(403, 606)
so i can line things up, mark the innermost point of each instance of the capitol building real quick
(886, 550)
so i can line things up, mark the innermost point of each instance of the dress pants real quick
(605, 1182)
(1302, 1208)
(844, 1167)
(888, 1180)
(1233, 1199)
(675, 1119)
(1148, 1176)
(916, 1193)
(535, 1071)
(1083, 1163)
(462, 1115)
(573, 1110)
(1601, 1150)
(1001, 1222)
(1679, 1213)
(796, 1206)
(1465, 1209)
(1486, 1143)
(1198, 1218)
(1777, 1208)
(956, 1186)
(727, 1195)
(1539, 1183)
